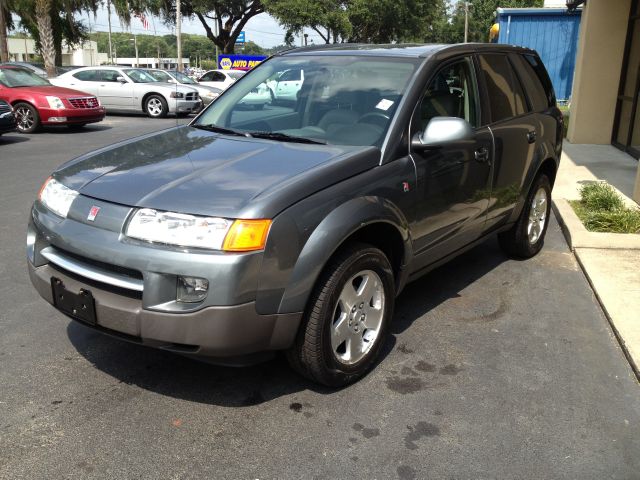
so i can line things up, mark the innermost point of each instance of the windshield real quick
(235, 74)
(139, 76)
(20, 77)
(182, 78)
(159, 75)
(340, 100)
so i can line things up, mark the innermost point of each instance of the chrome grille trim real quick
(91, 272)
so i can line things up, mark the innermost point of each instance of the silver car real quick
(207, 94)
(132, 89)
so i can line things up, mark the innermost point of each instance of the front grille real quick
(84, 102)
(129, 272)
(191, 97)
(5, 107)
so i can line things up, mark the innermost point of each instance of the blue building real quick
(552, 32)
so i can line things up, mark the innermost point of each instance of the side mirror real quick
(121, 79)
(441, 130)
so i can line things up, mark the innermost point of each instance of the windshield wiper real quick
(285, 138)
(214, 128)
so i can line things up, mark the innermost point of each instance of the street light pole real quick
(109, 21)
(178, 40)
(466, 21)
(135, 44)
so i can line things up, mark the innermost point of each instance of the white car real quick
(258, 97)
(132, 89)
(221, 79)
(207, 94)
(286, 85)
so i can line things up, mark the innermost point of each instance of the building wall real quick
(601, 43)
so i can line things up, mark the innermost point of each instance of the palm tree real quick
(47, 45)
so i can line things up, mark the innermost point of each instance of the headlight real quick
(55, 102)
(195, 231)
(56, 197)
(177, 95)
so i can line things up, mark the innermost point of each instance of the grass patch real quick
(601, 209)
(566, 114)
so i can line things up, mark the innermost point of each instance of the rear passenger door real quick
(85, 81)
(515, 132)
(453, 179)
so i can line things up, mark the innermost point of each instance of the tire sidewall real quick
(369, 259)
(541, 182)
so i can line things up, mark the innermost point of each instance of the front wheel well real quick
(383, 236)
(549, 168)
(147, 95)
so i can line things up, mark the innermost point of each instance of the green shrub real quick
(600, 196)
(601, 209)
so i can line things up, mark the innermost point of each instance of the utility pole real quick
(109, 21)
(466, 21)
(4, 48)
(178, 40)
(135, 44)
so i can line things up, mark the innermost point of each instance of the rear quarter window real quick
(86, 75)
(539, 96)
(503, 89)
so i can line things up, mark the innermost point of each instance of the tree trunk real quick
(45, 28)
(4, 48)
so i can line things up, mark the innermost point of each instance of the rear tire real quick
(345, 325)
(155, 106)
(526, 238)
(27, 118)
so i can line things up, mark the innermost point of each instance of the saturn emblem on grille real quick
(93, 213)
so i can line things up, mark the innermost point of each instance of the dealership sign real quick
(239, 62)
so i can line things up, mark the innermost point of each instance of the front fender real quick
(327, 238)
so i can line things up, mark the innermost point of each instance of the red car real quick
(36, 102)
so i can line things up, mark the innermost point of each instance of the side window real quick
(110, 75)
(451, 93)
(543, 77)
(206, 77)
(532, 84)
(290, 76)
(87, 75)
(218, 77)
(504, 91)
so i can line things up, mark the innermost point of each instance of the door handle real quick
(482, 155)
(531, 136)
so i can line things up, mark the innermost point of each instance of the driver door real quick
(453, 178)
(115, 94)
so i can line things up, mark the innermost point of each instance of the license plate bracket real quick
(80, 306)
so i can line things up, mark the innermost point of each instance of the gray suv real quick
(293, 228)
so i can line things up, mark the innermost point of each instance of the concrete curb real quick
(579, 237)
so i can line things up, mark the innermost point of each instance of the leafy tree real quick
(4, 48)
(328, 18)
(228, 16)
(251, 48)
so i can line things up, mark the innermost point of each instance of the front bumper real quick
(71, 115)
(188, 106)
(7, 122)
(134, 285)
(212, 332)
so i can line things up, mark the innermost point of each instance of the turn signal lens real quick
(246, 235)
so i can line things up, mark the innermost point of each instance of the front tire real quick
(27, 118)
(346, 321)
(155, 106)
(526, 238)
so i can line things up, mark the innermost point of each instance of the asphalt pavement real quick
(495, 369)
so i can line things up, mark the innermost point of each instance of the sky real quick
(261, 29)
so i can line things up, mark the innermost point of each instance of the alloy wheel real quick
(25, 118)
(537, 216)
(154, 107)
(357, 319)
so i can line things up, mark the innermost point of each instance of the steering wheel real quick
(376, 118)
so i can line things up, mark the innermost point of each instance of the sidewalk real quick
(610, 261)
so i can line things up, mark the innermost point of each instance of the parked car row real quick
(83, 95)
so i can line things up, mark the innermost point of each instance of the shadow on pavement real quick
(169, 374)
(9, 138)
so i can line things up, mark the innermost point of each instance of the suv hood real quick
(188, 170)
